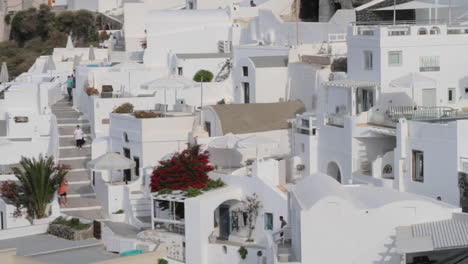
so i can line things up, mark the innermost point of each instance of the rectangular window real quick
(180, 71)
(268, 217)
(245, 71)
(429, 63)
(368, 60)
(451, 95)
(395, 58)
(418, 166)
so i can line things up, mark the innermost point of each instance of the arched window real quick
(422, 31)
(387, 172)
(435, 31)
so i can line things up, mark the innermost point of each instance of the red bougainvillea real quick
(186, 169)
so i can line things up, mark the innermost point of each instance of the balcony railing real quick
(335, 120)
(391, 115)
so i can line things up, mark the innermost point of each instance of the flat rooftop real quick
(51, 249)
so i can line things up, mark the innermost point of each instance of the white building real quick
(359, 221)
(170, 31)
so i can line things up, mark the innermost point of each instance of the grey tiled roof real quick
(445, 234)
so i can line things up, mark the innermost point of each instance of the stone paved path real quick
(82, 200)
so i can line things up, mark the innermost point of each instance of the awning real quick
(413, 80)
(350, 84)
(413, 5)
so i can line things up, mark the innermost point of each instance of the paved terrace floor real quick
(52, 249)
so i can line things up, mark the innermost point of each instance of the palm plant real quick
(40, 179)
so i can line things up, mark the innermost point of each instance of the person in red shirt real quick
(63, 194)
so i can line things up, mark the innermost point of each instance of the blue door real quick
(224, 222)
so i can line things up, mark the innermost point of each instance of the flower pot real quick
(106, 94)
(117, 217)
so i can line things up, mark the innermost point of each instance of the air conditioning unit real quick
(224, 46)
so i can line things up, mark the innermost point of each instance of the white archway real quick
(333, 170)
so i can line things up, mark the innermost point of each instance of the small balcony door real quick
(429, 97)
(127, 173)
(246, 87)
(364, 100)
(224, 222)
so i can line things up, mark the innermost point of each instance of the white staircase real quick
(364, 163)
(141, 210)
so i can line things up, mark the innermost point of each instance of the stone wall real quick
(69, 233)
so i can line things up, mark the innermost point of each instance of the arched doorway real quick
(334, 171)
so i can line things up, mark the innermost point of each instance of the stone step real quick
(76, 164)
(87, 214)
(72, 122)
(67, 115)
(81, 202)
(79, 189)
(68, 130)
(141, 207)
(140, 201)
(142, 213)
(70, 141)
(56, 110)
(78, 176)
(74, 152)
(144, 219)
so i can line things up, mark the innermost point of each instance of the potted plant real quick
(92, 91)
(243, 252)
(118, 216)
(126, 108)
(107, 91)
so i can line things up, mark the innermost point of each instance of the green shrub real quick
(162, 261)
(243, 252)
(213, 185)
(203, 76)
(103, 36)
(8, 19)
(119, 211)
(192, 192)
(165, 191)
(126, 108)
(146, 114)
(73, 223)
(107, 88)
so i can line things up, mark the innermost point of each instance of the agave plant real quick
(40, 179)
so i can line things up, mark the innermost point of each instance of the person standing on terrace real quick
(69, 88)
(79, 137)
(63, 194)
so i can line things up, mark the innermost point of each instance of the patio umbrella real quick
(257, 142)
(76, 61)
(4, 73)
(169, 82)
(91, 55)
(69, 43)
(413, 80)
(111, 161)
